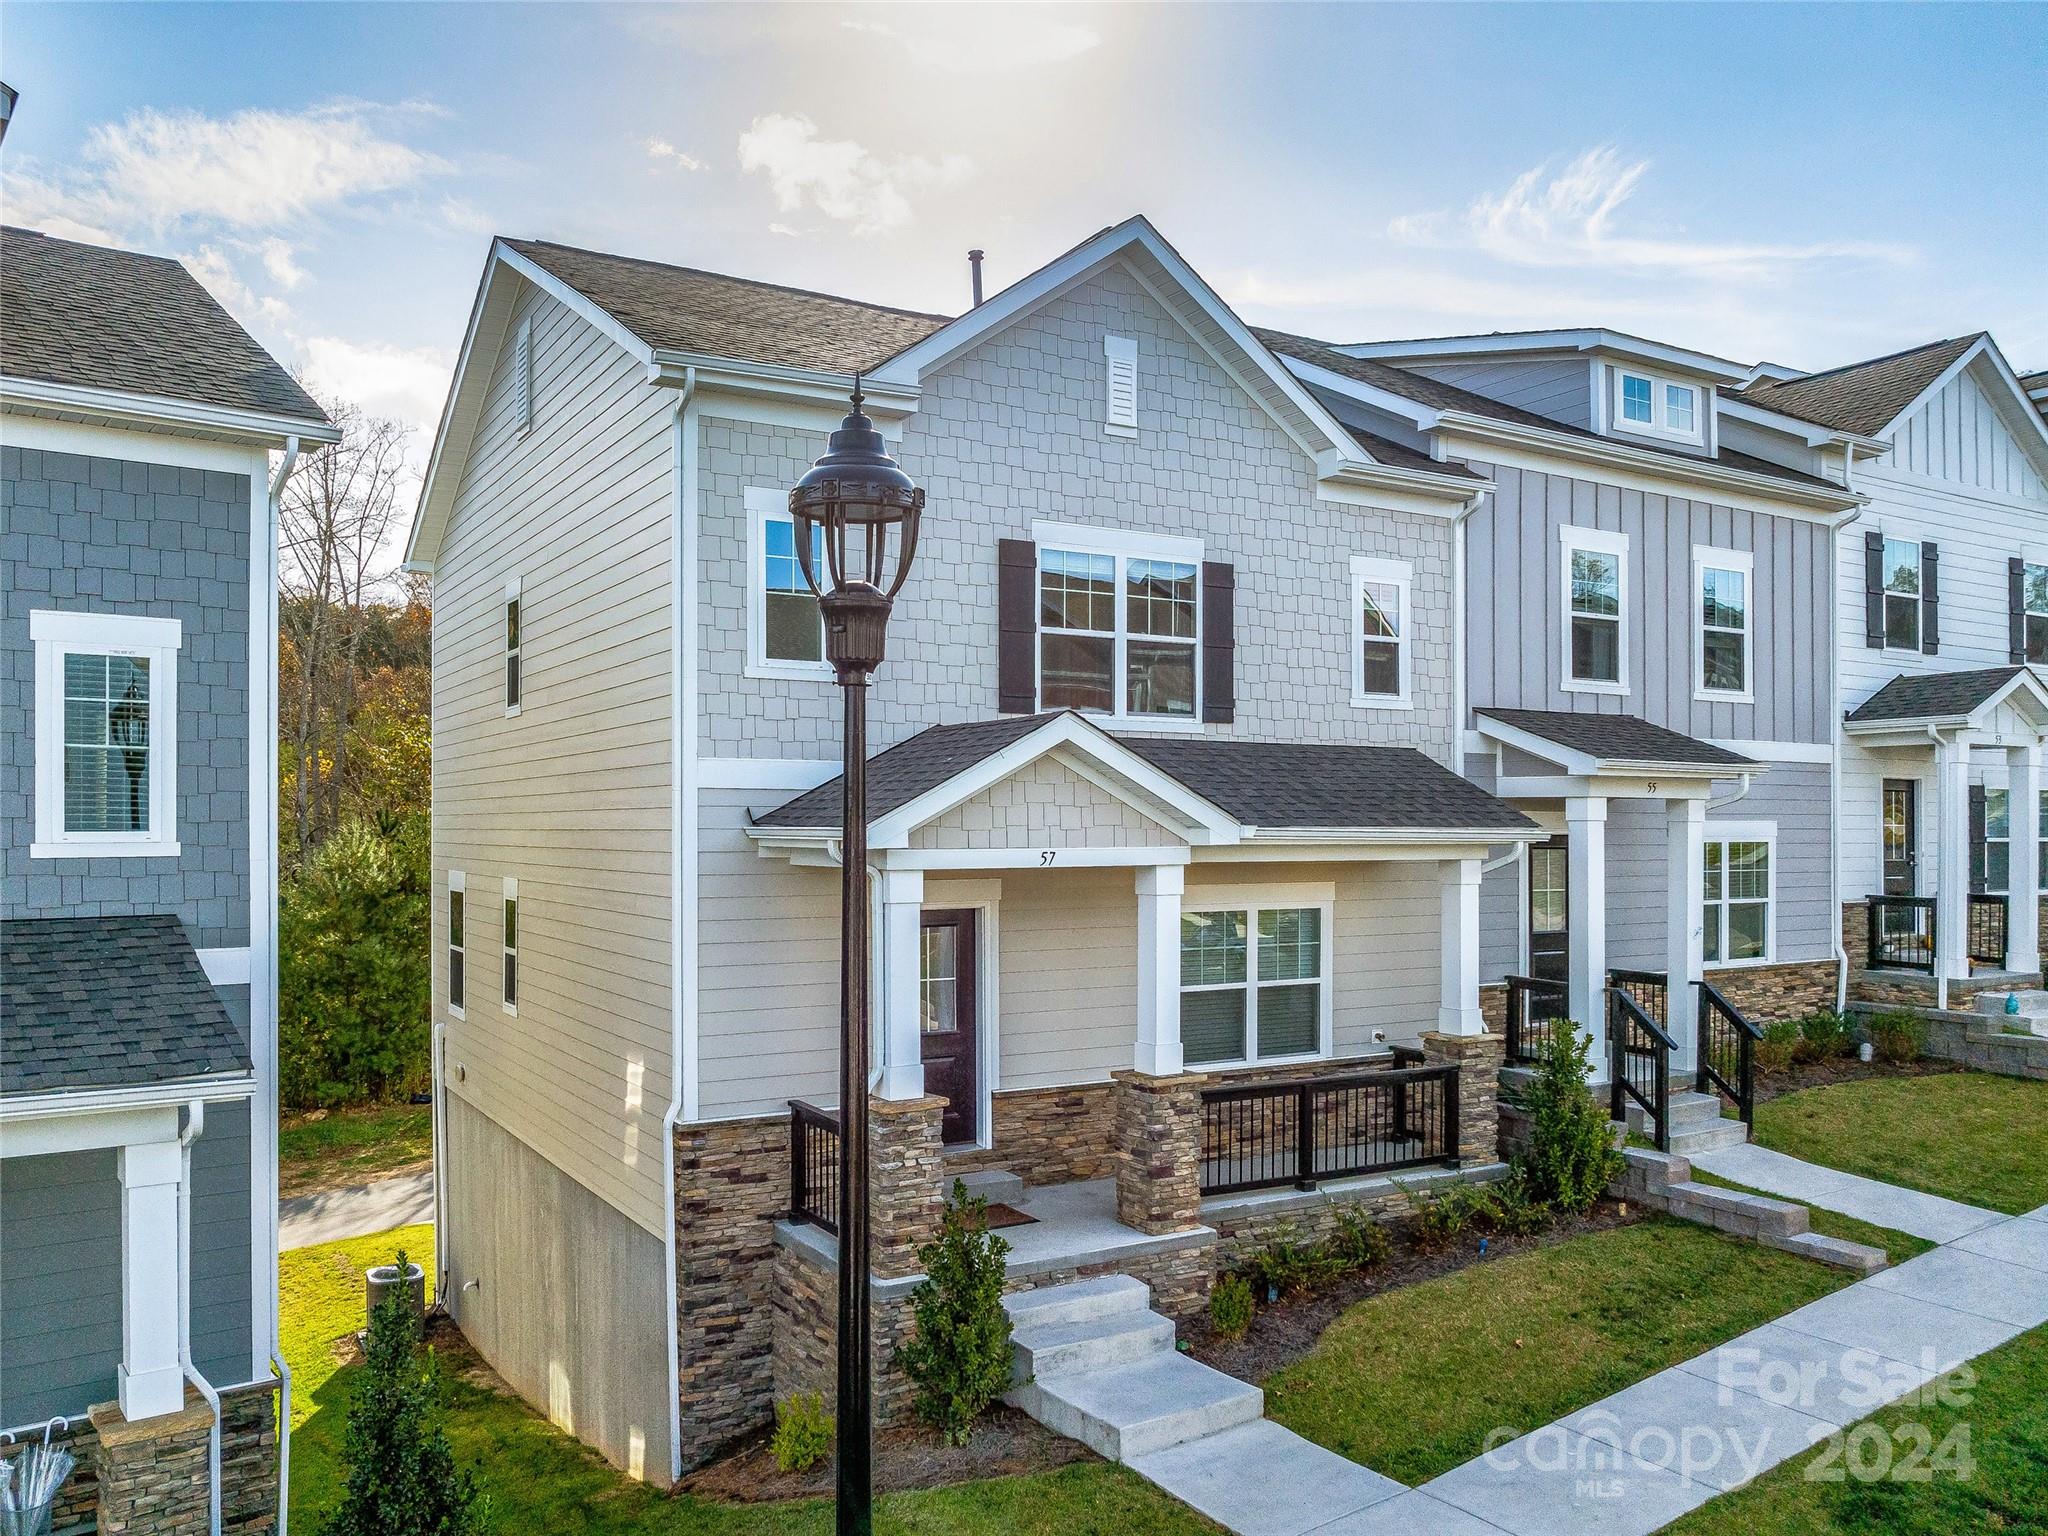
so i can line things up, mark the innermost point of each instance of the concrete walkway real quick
(1880, 1204)
(356, 1211)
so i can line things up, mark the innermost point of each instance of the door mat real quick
(1000, 1215)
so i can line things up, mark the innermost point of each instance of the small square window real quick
(1681, 408)
(1635, 398)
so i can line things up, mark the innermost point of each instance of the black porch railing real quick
(1987, 932)
(1900, 933)
(1648, 990)
(1727, 1052)
(1262, 1135)
(1533, 1007)
(1639, 1064)
(814, 1165)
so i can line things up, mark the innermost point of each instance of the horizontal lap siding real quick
(571, 797)
(222, 1345)
(1561, 389)
(1795, 797)
(60, 1284)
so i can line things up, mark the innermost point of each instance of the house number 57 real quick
(1045, 856)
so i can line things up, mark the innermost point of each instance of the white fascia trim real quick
(598, 318)
(1424, 416)
(1986, 350)
(1809, 433)
(81, 1101)
(1583, 765)
(886, 402)
(163, 414)
(1397, 837)
(51, 434)
(1597, 339)
(226, 967)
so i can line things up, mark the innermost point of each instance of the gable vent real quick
(1122, 355)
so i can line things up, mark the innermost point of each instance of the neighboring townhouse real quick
(1942, 602)
(2036, 386)
(1164, 810)
(1646, 671)
(138, 1037)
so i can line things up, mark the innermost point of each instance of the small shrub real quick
(1571, 1157)
(1438, 1220)
(1514, 1209)
(1230, 1306)
(1897, 1037)
(1824, 1036)
(1359, 1242)
(1779, 1047)
(1287, 1266)
(803, 1432)
(959, 1356)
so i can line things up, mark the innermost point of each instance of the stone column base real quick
(1479, 1059)
(1158, 1150)
(906, 1189)
(153, 1473)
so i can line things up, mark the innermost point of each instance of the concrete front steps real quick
(1696, 1123)
(1096, 1363)
(1664, 1182)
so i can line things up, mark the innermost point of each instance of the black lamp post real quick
(867, 511)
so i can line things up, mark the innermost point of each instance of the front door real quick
(948, 1012)
(1549, 909)
(1901, 835)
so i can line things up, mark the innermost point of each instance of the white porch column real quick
(1952, 867)
(901, 897)
(1684, 922)
(1585, 823)
(1159, 892)
(150, 1379)
(2022, 898)
(1458, 996)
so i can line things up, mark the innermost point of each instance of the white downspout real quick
(1741, 789)
(195, 1126)
(1458, 634)
(1835, 749)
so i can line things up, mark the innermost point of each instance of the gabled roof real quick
(1609, 743)
(108, 1002)
(92, 317)
(1937, 697)
(1864, 398)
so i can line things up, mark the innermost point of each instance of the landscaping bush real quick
(402, 1479)
(1230, 1306)
(1779, 1047)
(1571, 1157)
(1438, 1220)
(1359, 1242)
(1897, 1037)
(803, 1432)
(1513, 1208)
(1824, 1036)
(960, 1355)
(1287, 1266)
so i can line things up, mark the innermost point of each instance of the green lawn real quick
(352, 1146)
(541, 1481)
(2003, 1484)
(1410, 1383)
(1971, 1136)
(1898, 1246)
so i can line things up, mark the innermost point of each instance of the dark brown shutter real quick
(1873, 590)
(1930, 599)
(1016, 633)
(2016, 610)
(1980, 863)
(1219, 642)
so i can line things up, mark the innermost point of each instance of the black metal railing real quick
(1648, 990)
(1900, 933)
(814, 1165)
(1727, 1047)
(1533, 1007)
(1639, 1064)
(1987, 935)
(1261, 1135)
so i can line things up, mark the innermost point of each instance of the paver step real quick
(996, 1185)
(1046, 1350)
(1709, 1138)
(1077, 1301)
(1142, 1406)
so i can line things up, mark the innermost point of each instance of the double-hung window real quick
(1721, 642)
(785, 630)
(458, 952)
(106, 735)
(1656, 407)
(509, 996)
(1902, 594)
(1380, 642)
(2034, 595)
(1254, 983)
(1118, 624)
(1737, 899)
(512, 675)
(1595, 600)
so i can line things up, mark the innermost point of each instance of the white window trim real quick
(57, 634)
(508, 951)
(1119, 352)
(1252, 900)
(1400, 575)
(458, 884)
(1706, 557)
(1885, 595)
(1599, 541)
(511, 652)
(762, 504)
(1765, 832)
(1658, 424)
(1122, 544)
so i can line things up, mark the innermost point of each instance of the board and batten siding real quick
(1515, 597)
(571, 797)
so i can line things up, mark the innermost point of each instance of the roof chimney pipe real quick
(974, 265)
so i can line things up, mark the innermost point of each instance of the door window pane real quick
(1547, 893)
(939, 980)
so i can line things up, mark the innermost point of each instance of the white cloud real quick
(1568, 218)
(839, 177)
(408, 384)
(983, 39)
(786, 231)
(278, 262)
(212, 266)
(666, 156)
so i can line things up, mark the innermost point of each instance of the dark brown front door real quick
(1549, 906)
(1901, 835)
(948, 1011)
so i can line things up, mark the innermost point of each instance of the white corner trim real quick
(225, 967)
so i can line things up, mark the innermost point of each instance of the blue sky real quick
(1812, 184)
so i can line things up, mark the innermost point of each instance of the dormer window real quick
(1656, 407)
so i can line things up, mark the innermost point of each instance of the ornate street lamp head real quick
(862, 509)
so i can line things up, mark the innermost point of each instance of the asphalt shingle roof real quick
(108, 1002)
(683, 309)
(1618, 739)
(91, 316)
(1933, 695)
(1263, 784)
(1865, 397)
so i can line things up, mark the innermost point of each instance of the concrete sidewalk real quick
(356, 1211)
(1880, 1204)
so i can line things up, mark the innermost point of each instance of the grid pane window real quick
(1902, 594)
(795, 627)
(106, 743)
(1681, 408)
(1547, 892)
(512, 653)
(1724, 630)
(1098, 614)
(511, 952)
(1596, 616)
(1635, 399)
(939, 980)
(1736, 901)
(455, 949)
(1991, 863)
(1381, 619)
(1251, 984)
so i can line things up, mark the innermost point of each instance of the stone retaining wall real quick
(1246, 1223)
(1047, 1136)
(1979, 1042)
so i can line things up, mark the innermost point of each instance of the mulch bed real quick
(1844, 1069)
(1288, 1330)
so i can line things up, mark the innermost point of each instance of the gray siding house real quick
(137, 893)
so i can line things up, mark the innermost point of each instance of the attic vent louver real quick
(1121, 419)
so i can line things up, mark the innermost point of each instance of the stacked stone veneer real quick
(1768, 993)
(1901, 989)
(248, 1460)
(153, 1473)
(1246, 1223)
(1159, 1151)
(1478, 1058)
(1047, 1136)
